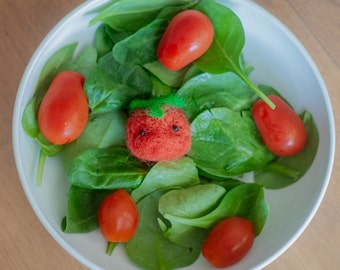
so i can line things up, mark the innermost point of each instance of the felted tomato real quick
(158, 130)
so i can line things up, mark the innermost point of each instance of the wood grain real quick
(25, 244)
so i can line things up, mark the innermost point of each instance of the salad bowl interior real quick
(279, 60)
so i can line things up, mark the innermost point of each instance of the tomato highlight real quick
(187, 37)
(281, 129)
(228, 242)
(63, 112)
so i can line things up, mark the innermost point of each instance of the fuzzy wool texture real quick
(158, 139)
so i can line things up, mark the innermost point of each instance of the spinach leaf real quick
(29, 119)
(104, 129)
(173, 79)
(112, 85)
(140, 48)
(226, 143)
(188, 203)
(207, 91)
(246, 200)
(159, 88)
(148, 248)
(106, 168)
(84, 61)
(168, 174)
(131, 15)
(82, 210)
(102, 40)
(225, 53)
(285, 171)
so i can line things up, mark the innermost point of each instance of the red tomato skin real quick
(228, 242)
(118, 217)
(63, 112)
(281, 129)
(187, 37)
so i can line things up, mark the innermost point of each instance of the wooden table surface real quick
(25, 244)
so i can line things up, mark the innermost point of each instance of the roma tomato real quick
(228, 242)
(281, 129)
(118, 217)
(63, 112)
(187, 37)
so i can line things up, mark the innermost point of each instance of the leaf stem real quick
(41, 164)
(110, 247)
(256, 89)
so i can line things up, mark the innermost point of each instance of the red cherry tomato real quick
(281, 129)
(187, 37)
(63, 112)
(118, 217)
(228, 242)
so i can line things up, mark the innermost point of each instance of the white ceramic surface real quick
(279, 60)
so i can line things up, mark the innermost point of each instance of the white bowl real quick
(279, 60)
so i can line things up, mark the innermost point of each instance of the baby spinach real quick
(82, 209)
(102, 40)
(190, 203)
(140, 48)
(148, 248)
(205, 205)
(165, 174)
(84, 61)
(112, 85)
(207, 91)
(106, 168)
(170, 78)
(284, 171)
(225, 53)
(226, 143)
(131, 15)
(104, 129)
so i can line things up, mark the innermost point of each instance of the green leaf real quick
(84, 61)
(113, 86)
(102, 40)
(29, 120)
(225, 51)
(226, 143)
(82, 210)
(148, 248)
(167, 174)
(246, 200)
(140, 48)
(207, 91)
(106, 168)
(285, 171)
(170, 78)
(104, 129)
(131, 15)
